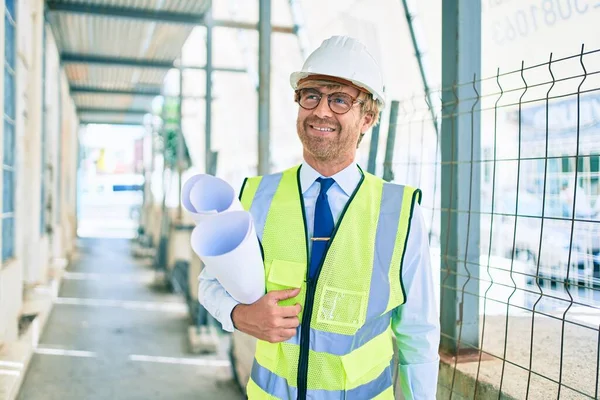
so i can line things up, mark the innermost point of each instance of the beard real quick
(330, 147)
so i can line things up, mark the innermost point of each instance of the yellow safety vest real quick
(343, 348)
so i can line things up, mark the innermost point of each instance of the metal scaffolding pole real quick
(388, 170)
(180, 146)
(460, 180)
(264, 86)
(373, 148)
(299, 27)
(421, 56)
(210, 159)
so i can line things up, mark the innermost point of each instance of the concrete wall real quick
(36, 249)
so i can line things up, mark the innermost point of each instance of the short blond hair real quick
(369, 106)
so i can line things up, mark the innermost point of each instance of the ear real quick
(366, 122)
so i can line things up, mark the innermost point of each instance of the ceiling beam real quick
(130, 92)
(126, 111)
(155, 16)
(74, 58)
(87, 122)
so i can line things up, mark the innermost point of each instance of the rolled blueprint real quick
(206, 195)
(228, 246)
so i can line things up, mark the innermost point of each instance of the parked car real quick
(560, 252)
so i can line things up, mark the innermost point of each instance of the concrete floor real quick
(111, 335)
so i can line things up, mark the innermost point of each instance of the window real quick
(8, 161)
(595, 163)
(566, 165)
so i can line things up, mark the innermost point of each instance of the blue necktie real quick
(323, 227)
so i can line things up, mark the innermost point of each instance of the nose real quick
(323, 111)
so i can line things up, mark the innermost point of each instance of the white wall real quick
(32, 258)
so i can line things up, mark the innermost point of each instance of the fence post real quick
(460, 176)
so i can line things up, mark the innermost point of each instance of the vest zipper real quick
(304, 338)
(311, 285)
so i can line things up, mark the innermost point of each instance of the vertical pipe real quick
(460, 181)
(208, 160)
(180, 144)
(147, 173)
(43, 134)
(388, 172)
(299, 27)
(58, 169)
(374, 147)
(264, 86)
(420, 55)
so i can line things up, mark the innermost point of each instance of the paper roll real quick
(205, 195)
(228, 246)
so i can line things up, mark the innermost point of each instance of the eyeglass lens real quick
(339, 102)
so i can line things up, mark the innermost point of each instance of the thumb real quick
(278, 295)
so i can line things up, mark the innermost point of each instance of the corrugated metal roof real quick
(111, 101)
(113, 77)
(182, 6)
(90, 34)
(111, 118)
(83, 34)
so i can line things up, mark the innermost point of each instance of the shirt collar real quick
(347, 179)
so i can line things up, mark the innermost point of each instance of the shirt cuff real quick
(225, 313)
(419, 381)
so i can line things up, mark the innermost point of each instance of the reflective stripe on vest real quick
(278, 387)
(334, 343)
(262, 201)
(350, 343)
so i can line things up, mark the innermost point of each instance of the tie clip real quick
(319, 239)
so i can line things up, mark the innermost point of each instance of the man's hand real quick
(266, 320)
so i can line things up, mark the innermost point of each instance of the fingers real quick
(287, 334)
(290, 311)
(278, 295)
(282, 335)
(290, 323)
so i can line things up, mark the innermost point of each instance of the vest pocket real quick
(287, 275)
(366, 363)
(341, 307)
(266, 353)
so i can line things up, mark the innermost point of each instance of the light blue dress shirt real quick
(415, 323)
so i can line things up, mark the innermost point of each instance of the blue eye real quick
(341, 101)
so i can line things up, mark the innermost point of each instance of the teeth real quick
(324, 129)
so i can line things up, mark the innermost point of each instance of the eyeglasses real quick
(339, 102)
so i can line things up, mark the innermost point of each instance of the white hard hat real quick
(346, 58)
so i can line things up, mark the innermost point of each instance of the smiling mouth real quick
(322, 128)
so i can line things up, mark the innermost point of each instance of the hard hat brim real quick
(334, 79)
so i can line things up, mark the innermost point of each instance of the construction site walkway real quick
(113, 334)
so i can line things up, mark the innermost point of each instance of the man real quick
(346, 255)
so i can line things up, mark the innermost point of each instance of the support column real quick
(210, 157)
(180, 145)
(264, 86)
(460, 180)
(373, 148)
(388, 170)
(34, 264)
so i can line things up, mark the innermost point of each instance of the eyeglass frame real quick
(355, 100)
